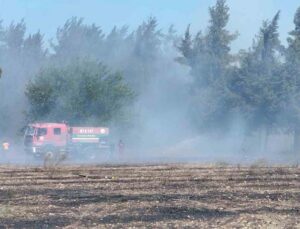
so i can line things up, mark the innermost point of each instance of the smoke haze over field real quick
(195, 96)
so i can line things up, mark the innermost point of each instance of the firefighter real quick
(5, 146)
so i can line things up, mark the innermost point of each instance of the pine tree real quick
(148, 40)
(33, 53)
(186, 48)
(14, 37)
(292, 108)
(78, 40)
(257, 83)
(209, 58)
(146, 53)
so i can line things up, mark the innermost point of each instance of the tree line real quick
(87, 76)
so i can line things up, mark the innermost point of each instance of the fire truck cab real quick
(42, 137)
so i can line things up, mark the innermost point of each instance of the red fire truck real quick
(41, 138)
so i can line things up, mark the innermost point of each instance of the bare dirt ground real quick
(156, 196)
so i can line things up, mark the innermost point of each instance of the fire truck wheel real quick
(49, 155)
(48, 159)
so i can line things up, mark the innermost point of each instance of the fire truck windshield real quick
(42, 131)
(30, 130)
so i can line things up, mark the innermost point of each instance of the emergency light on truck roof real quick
(103, 131)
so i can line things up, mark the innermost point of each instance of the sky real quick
(246, 15)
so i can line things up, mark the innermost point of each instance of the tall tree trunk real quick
(297, 139)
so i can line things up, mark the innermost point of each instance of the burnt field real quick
(153, 195)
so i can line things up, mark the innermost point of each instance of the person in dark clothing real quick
(121, 147)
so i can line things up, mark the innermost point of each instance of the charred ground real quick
(150, 195)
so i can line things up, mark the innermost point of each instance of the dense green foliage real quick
(83, 92)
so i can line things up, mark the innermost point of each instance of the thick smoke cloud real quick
(161, 123)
